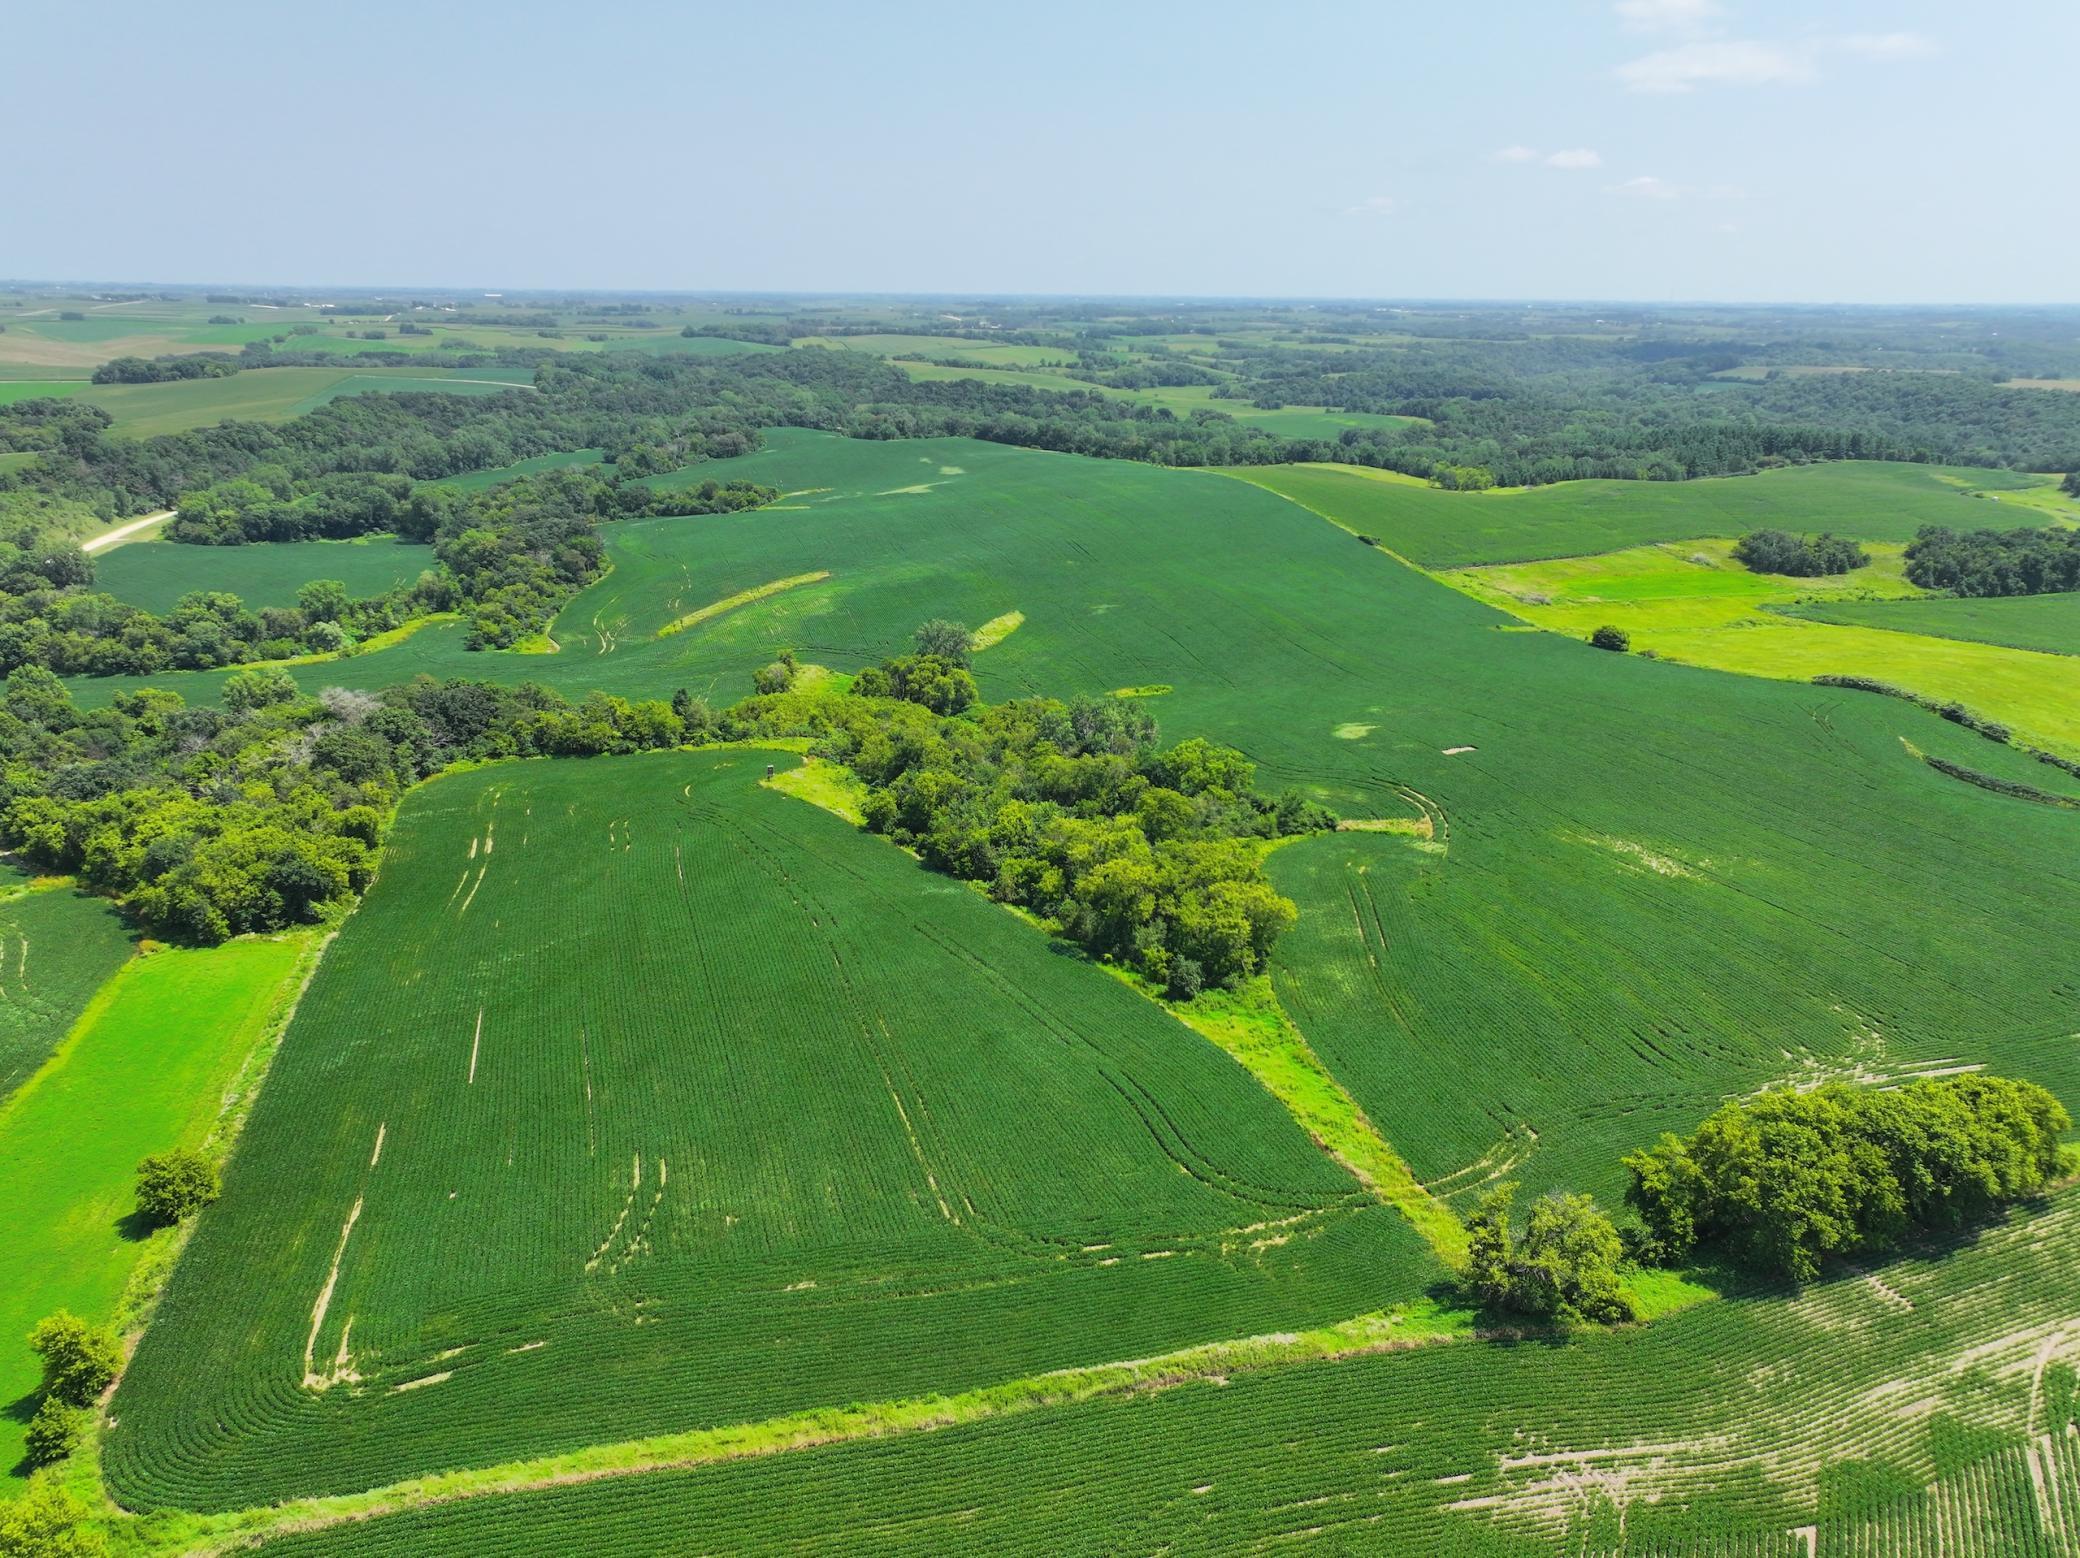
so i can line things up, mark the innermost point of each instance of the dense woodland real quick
(1994, 562)
(1799, 557)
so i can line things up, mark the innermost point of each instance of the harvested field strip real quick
(149, 1065)
(741, 598)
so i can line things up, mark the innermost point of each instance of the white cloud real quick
(1572, 159)
(1751, 63)
(1665, 15)
(1888, 45)
(1375, 205)
(1647, 187)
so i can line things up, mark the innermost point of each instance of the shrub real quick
(1612, 638)
(174, 1185)
(79, 1360)
(47, 1522)
(774, 678)
(53, 1431)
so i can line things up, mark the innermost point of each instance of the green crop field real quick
(2049, 624)
(156, 574)
(148, 1068)
(13, 390)
(57, 947)
(1866, 500)
(268, 394)
(1917, 1411)
(853, 1132)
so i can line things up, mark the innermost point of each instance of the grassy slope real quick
(1871, 501)
(1690, 601)
(1913, 1417)
(57, 947)
(260, 395)
(2049, 624)
(156, 574)
(479, 481)
(889, 1143)
(145, 1069)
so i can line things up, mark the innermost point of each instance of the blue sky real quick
(1889, 151)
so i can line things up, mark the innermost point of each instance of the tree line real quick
(1994, 562)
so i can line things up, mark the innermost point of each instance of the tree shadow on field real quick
(21, 1411)
(134, 1227)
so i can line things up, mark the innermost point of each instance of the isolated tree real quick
(78, 1359)
(258, 687)
(1564, 1265)
(174, 1185)
(322, 600)
(774, 678)
(948, 641)
(53, 1431)
(1612, 638)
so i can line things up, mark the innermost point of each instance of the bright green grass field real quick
(1868, 500)
(2049, 624)
(638, 1097)
(1922, 1416)
(146, 1069)
(1690, 601)
(156, 574)
(1659, 885)
(57, 947)
(13, 390)
(262, 395)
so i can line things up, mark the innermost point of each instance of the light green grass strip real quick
(741, 598)
(144, 1069)
(1409, 1326)
(1253, 1028)
(996, 630)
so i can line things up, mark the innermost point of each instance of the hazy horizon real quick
(1650, 151)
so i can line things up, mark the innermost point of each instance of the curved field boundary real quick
(741, 598)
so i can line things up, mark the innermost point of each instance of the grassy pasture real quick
(146, 1068)
(1902, 1413)
(1718, 831)
(2047, 623)
(57, 947)
(262, 395)
(1869, 500)
(859, 1133)
(13, 390)
(1690, 601)
(156, 574)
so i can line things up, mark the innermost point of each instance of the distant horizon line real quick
(501, 294)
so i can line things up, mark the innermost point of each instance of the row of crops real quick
(1922, 1409)
(57, 947)
(639, 1098)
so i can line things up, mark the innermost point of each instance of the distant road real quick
(122, 533)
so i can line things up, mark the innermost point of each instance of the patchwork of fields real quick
(57, 947)
(639, 1098)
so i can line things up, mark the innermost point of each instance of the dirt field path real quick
(122, 533)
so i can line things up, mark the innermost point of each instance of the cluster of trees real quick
(1566, 1264)
(1783, 1181)
(1994, 562)
(508, 558)
(1800, 557)
(266, 812)
(1148, 857)
(79, 1362)
(165, 370)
